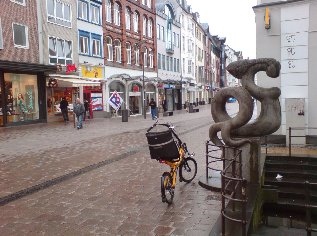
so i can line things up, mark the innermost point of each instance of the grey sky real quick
(233, 19)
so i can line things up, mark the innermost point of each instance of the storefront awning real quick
(75, 81)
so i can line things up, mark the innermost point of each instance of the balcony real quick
(169, 48)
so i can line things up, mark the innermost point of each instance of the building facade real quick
(286, 31)
(22, 77)
(168, 32)
(130, 53)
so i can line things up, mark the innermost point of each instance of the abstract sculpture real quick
(236, 131)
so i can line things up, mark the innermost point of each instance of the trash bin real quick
(125, 115)
(191, 109)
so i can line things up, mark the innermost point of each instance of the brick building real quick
(129, 47)
(22, 78)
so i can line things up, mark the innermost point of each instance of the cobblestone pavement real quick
(56, 180)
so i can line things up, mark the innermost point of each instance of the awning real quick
(75, 81)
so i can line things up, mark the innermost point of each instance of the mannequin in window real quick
(21, 106)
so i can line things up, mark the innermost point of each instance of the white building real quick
(287, 31)
(231, 56)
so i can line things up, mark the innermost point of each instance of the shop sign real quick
(115, 100)
(136, 94)
(91, 71)
(169, 86)
(160, 86)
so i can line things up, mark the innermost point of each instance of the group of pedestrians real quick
(79, 109)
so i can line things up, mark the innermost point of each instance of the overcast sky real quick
(233, 19)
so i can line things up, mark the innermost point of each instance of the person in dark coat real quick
(64, 108)
(79, 110)
(86, 105)
(152, 104)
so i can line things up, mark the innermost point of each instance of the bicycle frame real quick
(174, 165)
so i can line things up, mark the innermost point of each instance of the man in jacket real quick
(152, 104)
(64, 108)
(79, 111)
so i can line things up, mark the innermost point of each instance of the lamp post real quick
(143, 86)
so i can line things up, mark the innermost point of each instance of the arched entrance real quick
(135, 101)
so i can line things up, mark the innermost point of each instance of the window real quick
(144, 25)
(167, 63)
(183, 43)
(136, 22)
(149, 3)
(128, 48)
(177, 40)
(84, 42)
(150, 28)
(59, 13)
(116, 14)
(127, 19)
(137, 55)
(1, 36)
(83, 10)
(20, 36)
(178, 65)
(174, 39)
(117, 50)
(159, 61)
(108, 11)
(189, 66)
(150, 58)
(143, 2)
(95, 14)
(163, 62)
(171, 64)
(21, 2)
(175, 65)
(109, 49)
(60, 51)
(183, 65)
(158, 31)
(163, 33)
(145, 57)
(96, 45)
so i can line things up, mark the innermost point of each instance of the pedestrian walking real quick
(86, 105)
(152, 104)
(63, 105)
(79, 111)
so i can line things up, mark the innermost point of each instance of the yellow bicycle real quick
(166, 147)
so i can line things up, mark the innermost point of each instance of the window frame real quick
(96, 38)
(26, 33)
(116, 13)
(93, 10)
(136, 18)
(129, 53)
(64, 51)
(127, 18)
(109, 46)
(117, 51)
(136, 55)
(81, 15)
(84, 37)
(53, 18)
(109, 10)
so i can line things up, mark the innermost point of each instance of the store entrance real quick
(134, 105)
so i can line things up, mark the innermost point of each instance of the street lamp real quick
(143, 84)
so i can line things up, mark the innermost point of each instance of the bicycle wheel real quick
(188, 170)
(166, 188)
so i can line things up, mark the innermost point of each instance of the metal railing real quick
(290, 136)
(233, 189)
(309, 208)
(213, 157)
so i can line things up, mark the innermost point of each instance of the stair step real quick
(292, 159)
(290, 165)
(309, 175)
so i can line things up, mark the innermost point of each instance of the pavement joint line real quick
(46, 184)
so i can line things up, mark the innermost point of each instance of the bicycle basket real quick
(162, 145)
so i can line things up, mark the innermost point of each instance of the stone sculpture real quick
(237, 131)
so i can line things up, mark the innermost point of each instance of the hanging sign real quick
(115, 100)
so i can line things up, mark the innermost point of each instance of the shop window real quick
(20, 36)
(59, 13)
(83, 10)
(60, 51)
(95, 14)
(21, 97)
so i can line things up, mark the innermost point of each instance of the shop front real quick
(22, 93)
(135, 98)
